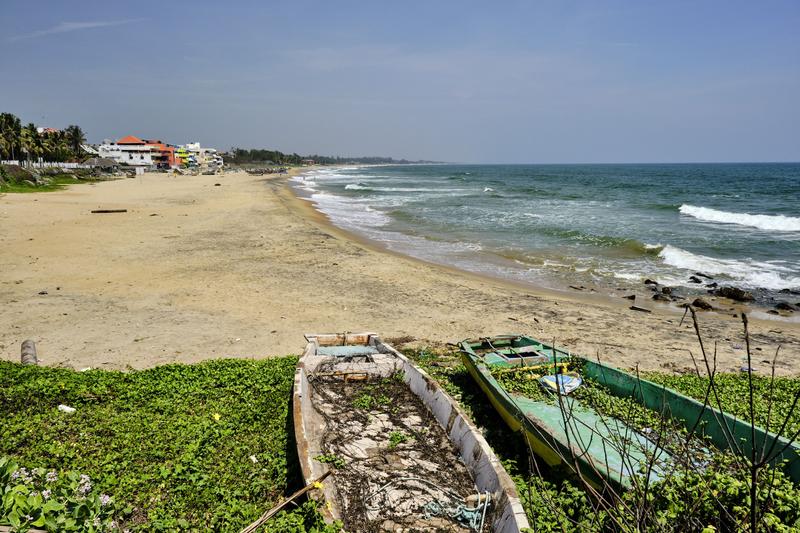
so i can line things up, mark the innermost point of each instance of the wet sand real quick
(195, 271)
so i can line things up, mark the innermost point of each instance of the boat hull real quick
(720, 427)
(483, 465)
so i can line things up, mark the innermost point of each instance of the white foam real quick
(764, 222)
(631, 276)
(750, 273)
(356, 187)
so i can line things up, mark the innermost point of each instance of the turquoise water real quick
(599, 225)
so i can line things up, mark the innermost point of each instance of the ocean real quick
(608, 227)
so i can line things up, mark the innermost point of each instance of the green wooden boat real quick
(602, 449)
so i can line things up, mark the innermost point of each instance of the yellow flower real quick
(217, 416)
(318, 485)
(328, 505)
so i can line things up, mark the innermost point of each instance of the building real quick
(203, 158)
(154, 153)
(129, 150)
(163, 154)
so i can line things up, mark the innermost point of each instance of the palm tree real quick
(31, 141)
(10, 128)
(75, 138)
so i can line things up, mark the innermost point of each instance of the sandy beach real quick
(194, 271)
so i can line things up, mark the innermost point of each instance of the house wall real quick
(131, 154)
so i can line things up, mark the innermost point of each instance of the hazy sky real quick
(557, 81)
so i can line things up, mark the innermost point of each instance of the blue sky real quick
(513, 82)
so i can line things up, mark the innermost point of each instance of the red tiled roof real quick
(130, 139)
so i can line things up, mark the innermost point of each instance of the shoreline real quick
(196, 271)
(602, 295)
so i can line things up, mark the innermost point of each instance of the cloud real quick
(66, 27)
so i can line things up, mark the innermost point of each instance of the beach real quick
(194, 270)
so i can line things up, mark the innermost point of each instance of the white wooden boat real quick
(402, 455)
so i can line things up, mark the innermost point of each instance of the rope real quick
(472, 517)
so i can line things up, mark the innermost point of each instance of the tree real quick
(10, 129)
(75, 138)
(31, 141)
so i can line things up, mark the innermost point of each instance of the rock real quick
(42, 292)
(661, 297)
(666, 290)
(785, 306)
(630, 297)
(712, 285)
(29, 183)
(217, 185)
(695, 279)
(702, 304)
(789, 291)
(735, 293)
(650, 282)
(703, 275)
(772, 312)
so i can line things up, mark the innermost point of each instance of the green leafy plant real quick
(331, 459)
(66, 501)
(186, 447)
(396, 438)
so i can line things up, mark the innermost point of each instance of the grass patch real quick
(203, 447)
(12, 180)
(172, 447)
(734, 392)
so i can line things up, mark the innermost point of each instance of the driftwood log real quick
(109, 211)
(28, 355)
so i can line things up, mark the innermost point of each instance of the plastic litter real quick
(561, 383)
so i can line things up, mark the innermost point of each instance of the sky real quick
(459, 81)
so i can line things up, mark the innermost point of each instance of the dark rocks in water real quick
(703, 275)
(785, 306)
(789, 291)
(661, 297)
(630, 297)
(735, 293)
(695, 279)
(772, 312)
(650, 282)
(702, 304)
(712, 285)
(666, 290)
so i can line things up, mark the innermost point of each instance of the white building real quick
(129, 150)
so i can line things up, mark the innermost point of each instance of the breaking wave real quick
(750, 273)
(763, 222)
